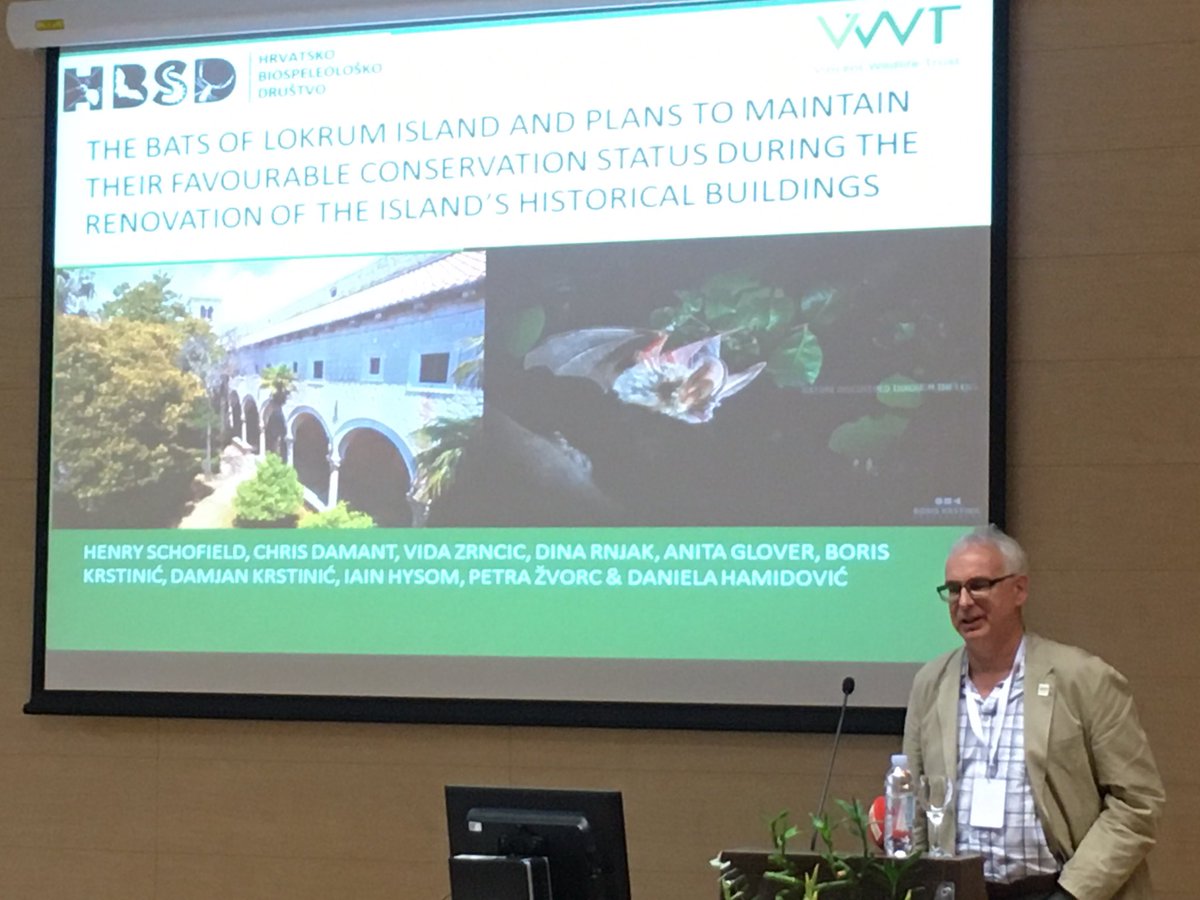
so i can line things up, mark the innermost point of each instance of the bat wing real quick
(735, 383)
(693, 355)
(598, 354)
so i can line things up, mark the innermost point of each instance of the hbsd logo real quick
(214, 80)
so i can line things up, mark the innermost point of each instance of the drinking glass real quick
(934, 793)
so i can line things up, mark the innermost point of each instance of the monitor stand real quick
(475, 877)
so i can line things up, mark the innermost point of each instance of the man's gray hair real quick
(1015, 559)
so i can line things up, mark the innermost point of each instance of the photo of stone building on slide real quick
(371, 369)
(315, 413)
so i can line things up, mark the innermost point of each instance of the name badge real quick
(987, 803)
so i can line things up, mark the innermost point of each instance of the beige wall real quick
(1105, 490)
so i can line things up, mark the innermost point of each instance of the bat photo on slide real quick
(686, 383)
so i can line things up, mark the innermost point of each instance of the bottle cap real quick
(900, 760)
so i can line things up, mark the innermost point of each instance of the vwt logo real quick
(926, 21)
(131, 85)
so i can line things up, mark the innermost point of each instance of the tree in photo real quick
(124, 453)
(272, 498)
(207, 357)
(279, 381)
(442, 439)
(338, 516)
(74, 289)
(150, 301)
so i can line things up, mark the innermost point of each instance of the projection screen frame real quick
(521, 712)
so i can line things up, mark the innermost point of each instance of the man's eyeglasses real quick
(978, 588)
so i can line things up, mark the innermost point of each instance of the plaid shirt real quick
(1019, 848)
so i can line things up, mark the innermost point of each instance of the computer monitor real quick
(580, 833)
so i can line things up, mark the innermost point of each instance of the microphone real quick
(847, 690)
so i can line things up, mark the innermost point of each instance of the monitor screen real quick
(580, 833)
(627, 365)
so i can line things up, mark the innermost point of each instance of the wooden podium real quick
(928, 872)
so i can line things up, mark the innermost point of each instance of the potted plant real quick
(834, 875)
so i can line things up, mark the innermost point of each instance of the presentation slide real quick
(637, 355)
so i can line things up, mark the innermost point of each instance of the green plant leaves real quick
(338, 516)
(821, 307)
(273, 495)
(280, 380)
(757, 322)
(524, 330)
(899, 392)
(861, 876)
(123, 407)
(868, 436)
(798, 361)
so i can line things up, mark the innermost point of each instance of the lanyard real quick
(1001, 692)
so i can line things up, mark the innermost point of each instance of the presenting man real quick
(1054, 781)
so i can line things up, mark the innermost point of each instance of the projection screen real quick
(620, 366)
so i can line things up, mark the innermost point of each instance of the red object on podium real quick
(875, 821)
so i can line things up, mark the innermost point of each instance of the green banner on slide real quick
(640, 593)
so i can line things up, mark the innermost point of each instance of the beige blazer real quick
(1095, 785)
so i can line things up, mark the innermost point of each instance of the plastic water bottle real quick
(900, 808)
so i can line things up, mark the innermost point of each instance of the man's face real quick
(992, 620)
